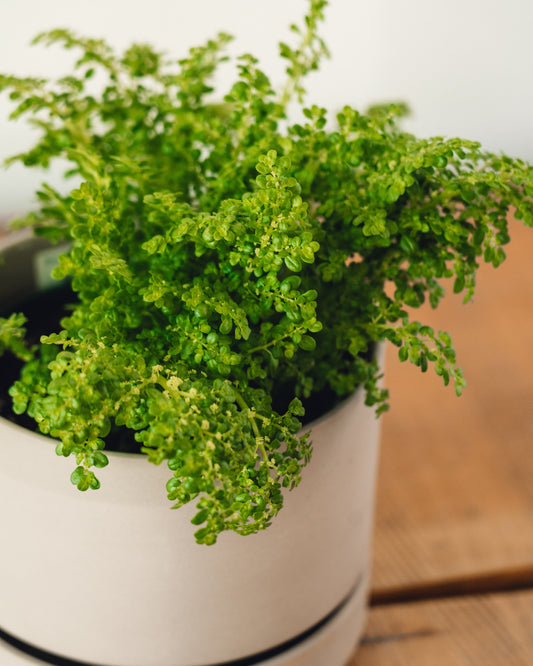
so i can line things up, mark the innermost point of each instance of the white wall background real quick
(464, 66)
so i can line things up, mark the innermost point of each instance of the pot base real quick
(331, 644)
(334, 642)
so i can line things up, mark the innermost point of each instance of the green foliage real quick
(12, 337)
(219, 253)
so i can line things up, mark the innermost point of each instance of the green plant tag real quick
(44, 263)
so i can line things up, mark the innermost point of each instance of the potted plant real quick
(227, 279)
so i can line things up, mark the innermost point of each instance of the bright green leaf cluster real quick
(229, 265)
(12, 336)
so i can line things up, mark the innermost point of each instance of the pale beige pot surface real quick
(114, 577)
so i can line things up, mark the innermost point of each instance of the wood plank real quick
(492, 630)
(504, 580)
(455, 494)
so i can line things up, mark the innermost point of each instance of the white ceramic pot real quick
(113, 577)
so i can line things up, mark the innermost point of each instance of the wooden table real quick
(453, 560)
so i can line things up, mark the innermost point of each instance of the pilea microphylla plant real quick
(228, 266)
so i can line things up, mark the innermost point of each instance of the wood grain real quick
(455, 492)
(492, 630)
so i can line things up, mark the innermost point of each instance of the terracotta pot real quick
(113, 577)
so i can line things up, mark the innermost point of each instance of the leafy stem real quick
(252, 416)
(306, 56)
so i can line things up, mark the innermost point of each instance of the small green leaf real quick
(293, 263)
(100, 459)
(307, 343)
(200, 517)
